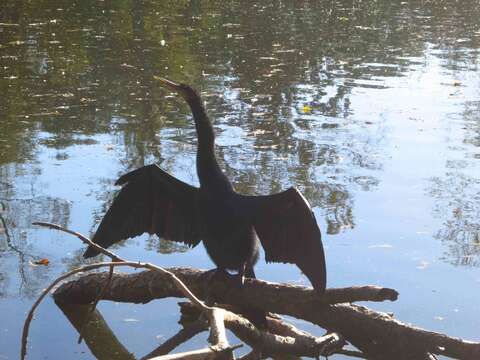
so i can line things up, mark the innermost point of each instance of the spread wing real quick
(150, 201)
(288, 231)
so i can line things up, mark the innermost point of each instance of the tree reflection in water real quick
(285, 82)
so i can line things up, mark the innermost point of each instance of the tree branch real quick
(269, 343)
(185, 334)
(376, 334)
(218, 337)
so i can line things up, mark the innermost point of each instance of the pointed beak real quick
(180, 89)
(183, 90)
(170, 85)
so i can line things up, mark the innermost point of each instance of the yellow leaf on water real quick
(307, 109)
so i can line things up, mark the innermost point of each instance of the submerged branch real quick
(179, 338)
(376, 334)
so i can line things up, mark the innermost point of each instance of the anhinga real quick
(230, 224)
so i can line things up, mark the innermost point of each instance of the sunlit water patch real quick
(371, 111)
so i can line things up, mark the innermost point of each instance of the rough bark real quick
(377, 334)
(99, 338)
(281, 338)
(145, 286)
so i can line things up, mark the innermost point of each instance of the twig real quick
(202, 354)
(357, 324)
(217, 335)
(182, 336)
(185, 290)
(181, 286)
(301, 344)
(271, 344)
(29, 318)
(94, 305)
(11, 245)
(4, 224)
(8, 236)
(84, 239)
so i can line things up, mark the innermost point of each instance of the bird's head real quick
(183, 90)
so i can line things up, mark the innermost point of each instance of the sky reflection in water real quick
(372, 111)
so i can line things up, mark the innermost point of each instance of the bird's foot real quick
(239, 280)
(221, 274)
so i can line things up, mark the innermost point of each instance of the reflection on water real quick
(370, 108)
(458, 199)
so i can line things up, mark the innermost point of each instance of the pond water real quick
(370, 108)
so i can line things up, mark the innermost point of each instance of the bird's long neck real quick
(208, 170)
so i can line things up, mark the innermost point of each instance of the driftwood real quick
(260, 340)
(377, 335)
(98, 336)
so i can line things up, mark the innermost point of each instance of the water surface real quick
(371, 109)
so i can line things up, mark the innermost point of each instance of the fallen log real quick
(376, 334)
(145, 286)
(259, 339)
(99, 338)
(218, 319)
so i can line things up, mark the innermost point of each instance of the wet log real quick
(376, 334)
(99, 338)
(145, 286)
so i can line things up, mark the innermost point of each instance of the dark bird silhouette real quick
(230, 224)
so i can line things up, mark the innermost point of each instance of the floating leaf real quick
(307, 109)
(43, 262)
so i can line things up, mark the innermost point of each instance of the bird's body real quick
(229, 236)
(231, 225)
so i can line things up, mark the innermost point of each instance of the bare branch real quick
(377, 335)
(84, 239)
(369, 331)
(218, 335)
(109, 347)
(95, 303)
(302, 344)
(202, 354)
(182, 336)
(181, 286)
